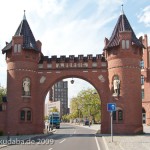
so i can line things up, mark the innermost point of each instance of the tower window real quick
(125, 44)
(142, 80)
(142, 64)
(17, 48)
(142, 93)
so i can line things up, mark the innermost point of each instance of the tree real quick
(45, 118)
(2, 93)
(86, 105)
(54, 109)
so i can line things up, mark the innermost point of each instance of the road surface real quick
(68, 137)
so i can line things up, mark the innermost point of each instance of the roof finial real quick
(122, 12)
(24, 17)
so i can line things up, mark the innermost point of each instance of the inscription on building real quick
(72, 65)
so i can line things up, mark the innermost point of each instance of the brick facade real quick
(25, 112)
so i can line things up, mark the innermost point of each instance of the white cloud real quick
(144, 16)
(64, 27)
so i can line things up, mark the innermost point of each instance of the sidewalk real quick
(125, 142)
(129, 142)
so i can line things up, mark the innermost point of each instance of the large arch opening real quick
(60, 96)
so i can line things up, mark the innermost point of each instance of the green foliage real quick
(2, 93)
(87, 104)
(54, 109)
(45, 117)
(66, 118)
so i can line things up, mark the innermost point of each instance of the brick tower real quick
(123, 52)
(22, 57)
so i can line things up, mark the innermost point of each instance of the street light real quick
(72, 81)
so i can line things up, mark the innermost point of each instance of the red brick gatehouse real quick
(116, 74)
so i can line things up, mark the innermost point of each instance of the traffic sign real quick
(111, 106)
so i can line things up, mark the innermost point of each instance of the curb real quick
(105, 143)
(2, 146)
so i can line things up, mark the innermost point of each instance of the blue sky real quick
(70, 27)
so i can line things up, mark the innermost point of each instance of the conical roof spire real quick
(122, 25)
(28, 37)
(122, 11)
(24, 17)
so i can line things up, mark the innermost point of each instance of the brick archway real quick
(121, 56)
(97, 76)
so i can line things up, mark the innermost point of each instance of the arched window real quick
(142, 64)
(143, 115)
(142, 80)
(114, 115)
(22, 115)
(120, 115)
(29, 115)
(142, 93)
(26, 87)
(25, 115)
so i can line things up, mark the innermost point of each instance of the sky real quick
(70, 27)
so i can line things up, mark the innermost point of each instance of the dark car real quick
(86, 122)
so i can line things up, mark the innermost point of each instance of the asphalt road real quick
(68, 137)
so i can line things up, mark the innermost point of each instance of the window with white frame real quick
(125, 44)
(17, 48)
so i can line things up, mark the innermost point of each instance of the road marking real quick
(50, 148)
(74, 132)
(62, 141)
(98, 147)
(105, 143)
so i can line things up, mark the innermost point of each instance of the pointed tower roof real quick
(28, 37)
(122, 25)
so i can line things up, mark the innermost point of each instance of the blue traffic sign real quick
(111, 106)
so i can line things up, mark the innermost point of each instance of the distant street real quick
(68, 137)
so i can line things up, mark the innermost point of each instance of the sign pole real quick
(111, 107)
(111, 115)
